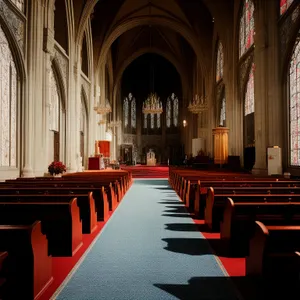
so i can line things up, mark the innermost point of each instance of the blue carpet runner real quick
(149, 249)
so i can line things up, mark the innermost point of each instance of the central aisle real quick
(149, 249)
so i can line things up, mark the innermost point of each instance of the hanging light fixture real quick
(103, 109)
(152, 104)
(199, 103)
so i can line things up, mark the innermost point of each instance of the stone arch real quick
(62, 89)
(176, 26)
(141, 52)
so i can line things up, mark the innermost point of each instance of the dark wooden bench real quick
(60, 222)
(3, 257)
(85, 202)
(238, 225)
(215, 204)
(274, 252)
(28, 267)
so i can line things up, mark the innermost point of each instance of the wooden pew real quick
(215, 204)
(274, 252)
(60, 222)
(28, 267)
(238, 225)
(85, 201)
(3, 256)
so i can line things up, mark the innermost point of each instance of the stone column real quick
(32, 54)
(260, 86)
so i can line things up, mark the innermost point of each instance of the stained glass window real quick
(20, 4)
(246, 27)
(54, 103)
(284, 5)
(168, 113)
(145, 120)
(8, 104)
(223, 111)
(294, 91)
(219, 70)
(133, 113)
(175, 110)
(126, 111)
(158, 120)
(249, 96)
(152, 121)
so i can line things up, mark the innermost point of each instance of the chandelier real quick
(103, 109)
(152, 105)
(198, 105)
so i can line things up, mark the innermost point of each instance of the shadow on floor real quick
(231, 288)
(152, 182)
(187, 227)
(177, 215)
(173, 202)
(176, 209)
(195, 246)
(164, 188)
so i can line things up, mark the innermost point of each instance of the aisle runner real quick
(149, 249)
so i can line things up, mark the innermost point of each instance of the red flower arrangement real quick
(56, 167)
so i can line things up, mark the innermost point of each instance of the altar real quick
(151, 160)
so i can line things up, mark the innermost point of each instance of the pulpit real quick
(220, 145)
(151, 160)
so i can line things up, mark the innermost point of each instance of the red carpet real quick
(62, 266)
(140, 171)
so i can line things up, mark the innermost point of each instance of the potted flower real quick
(56, 168)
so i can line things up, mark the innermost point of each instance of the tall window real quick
(249, 96)
(294, 91)
(223, 111)
(284, 5)
(172, 111)
(246, 27)
(129, 110)
(8, 105)
(54, 103)
(126, 112)
(219, 69)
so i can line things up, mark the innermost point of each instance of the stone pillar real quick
(32, 54)
(260, 87)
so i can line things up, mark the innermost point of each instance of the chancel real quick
(149, 149)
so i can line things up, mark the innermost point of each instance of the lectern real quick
(220, 145)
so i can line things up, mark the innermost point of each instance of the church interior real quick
(150, 149)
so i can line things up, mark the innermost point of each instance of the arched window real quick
(158, 120)
(133, 113)
(294, 95)
(168, 113)
(172, 111)
(284, 5)
(54, 103)
(152, 122)
(219, 69)
(145, 120)
(246, 27)
(249, 96)
(223, 111)
(126, 112)
(8, 104)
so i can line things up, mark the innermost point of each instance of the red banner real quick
(104, 148)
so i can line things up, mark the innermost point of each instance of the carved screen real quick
(54, 103)
(20, 4)
(284, 5)
(223, 111)
(219, 69)
(294, 90)
(249, 96)
(8, 104)
(126, 112)
(246, 27)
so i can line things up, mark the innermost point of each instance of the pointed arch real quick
(61, 31)
(84, 57)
